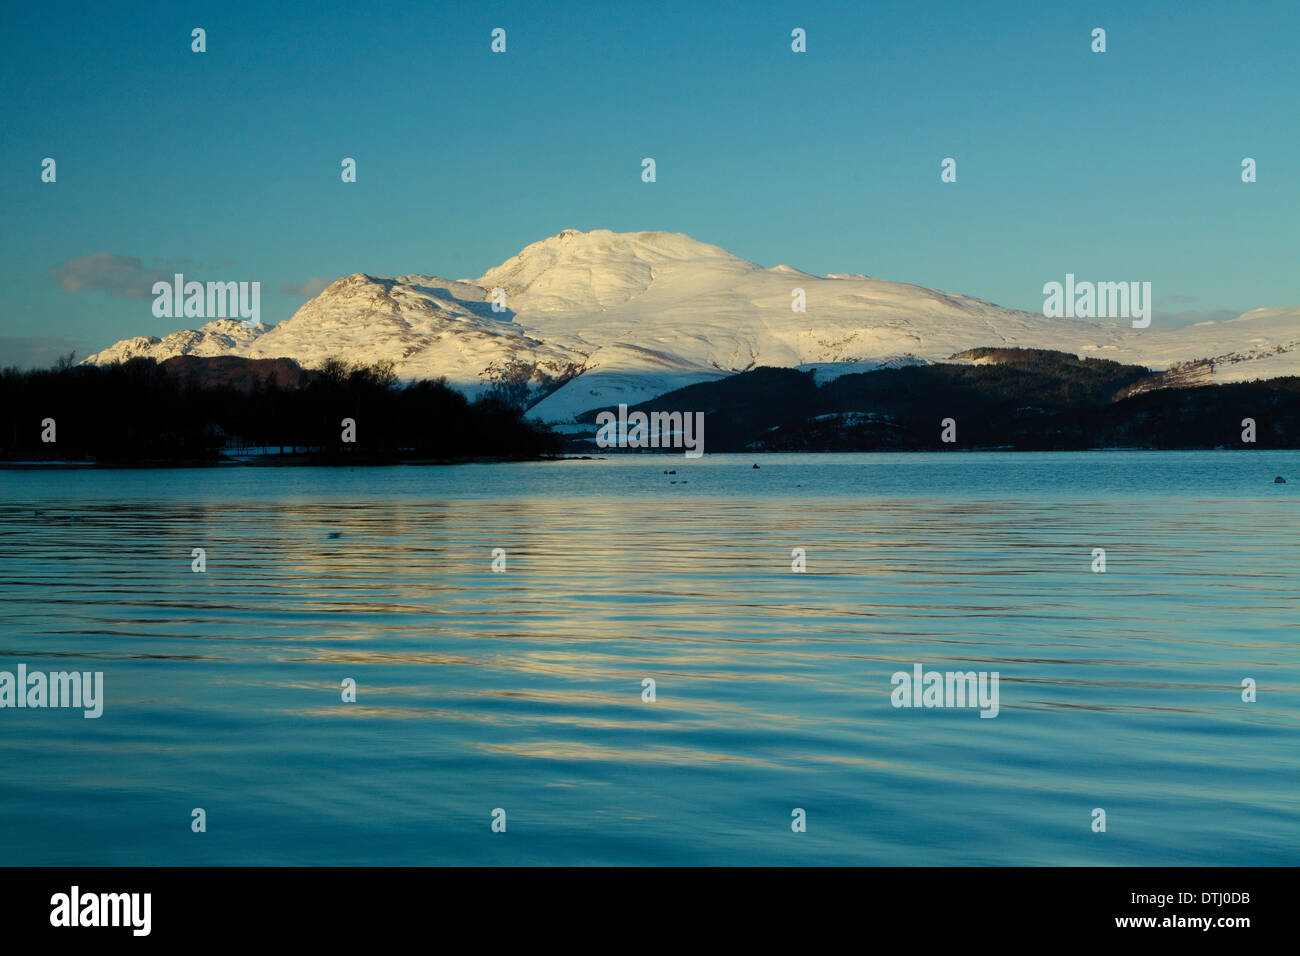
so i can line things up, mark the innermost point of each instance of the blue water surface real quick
(522, 690)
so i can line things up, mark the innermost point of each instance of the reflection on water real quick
(522, 690)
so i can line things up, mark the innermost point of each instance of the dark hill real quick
(1000, 398)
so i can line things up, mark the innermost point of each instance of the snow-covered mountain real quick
(595, 318)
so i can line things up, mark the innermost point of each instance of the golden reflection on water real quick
(767, 681)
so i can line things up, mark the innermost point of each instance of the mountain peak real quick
(599, 270)
(596, 318)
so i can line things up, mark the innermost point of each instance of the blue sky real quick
(225, 165)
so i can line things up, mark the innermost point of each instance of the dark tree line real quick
(1025, 399)
(196, 410)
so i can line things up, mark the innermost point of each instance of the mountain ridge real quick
(594, 318)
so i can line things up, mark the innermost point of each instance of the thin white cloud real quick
(309, 289)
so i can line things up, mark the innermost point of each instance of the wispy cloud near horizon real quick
(308, 289)
(123, 277)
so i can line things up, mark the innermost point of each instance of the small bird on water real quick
(1279, 480)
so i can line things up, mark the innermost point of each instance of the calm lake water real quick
(523, 690)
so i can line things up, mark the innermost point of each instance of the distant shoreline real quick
(287, 461)
(301, 461)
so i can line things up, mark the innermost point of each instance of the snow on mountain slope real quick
(621, 373)
(1261, 343)
(612, 317)
(219, 337)
(428, 327)
(593, 272)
